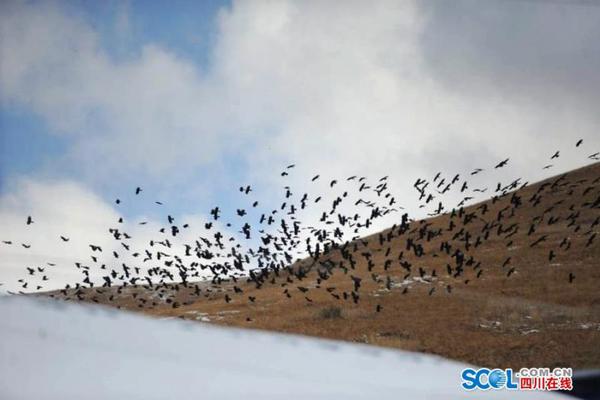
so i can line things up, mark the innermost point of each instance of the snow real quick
(56, 350)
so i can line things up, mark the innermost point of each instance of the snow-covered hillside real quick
(54, 350)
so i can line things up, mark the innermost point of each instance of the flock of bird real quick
(285, 251)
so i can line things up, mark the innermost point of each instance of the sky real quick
(190, 100)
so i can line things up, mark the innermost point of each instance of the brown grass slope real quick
(534, 317)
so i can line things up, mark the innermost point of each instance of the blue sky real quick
(186, 27)
(191, 100)
(26, 146)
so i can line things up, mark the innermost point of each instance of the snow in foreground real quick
(54, 350)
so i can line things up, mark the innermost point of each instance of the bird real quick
(314, 256)
(502, 163)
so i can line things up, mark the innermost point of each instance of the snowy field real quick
(55, 350)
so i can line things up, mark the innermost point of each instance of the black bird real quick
(578, 142)
(502, 163)
(540, 240)
(280, 248)
(590, 240)
(29, 220)
(138, 190)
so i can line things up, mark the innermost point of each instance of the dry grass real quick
(331, 312)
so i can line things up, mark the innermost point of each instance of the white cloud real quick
(68, 209)
(336, 89)
(57, 208)
(349, 90)
(343, 87)
(142, 113)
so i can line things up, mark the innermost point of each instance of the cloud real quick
(526, 50)
(68, 209)
(132, 110)
(57, 208)
(353, 90)
(394, 88)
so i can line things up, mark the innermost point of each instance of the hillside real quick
(527, 297)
